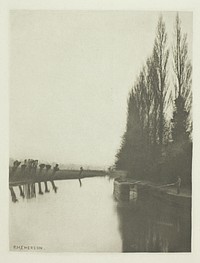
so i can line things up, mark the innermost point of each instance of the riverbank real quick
(19, 178)
(129, 189)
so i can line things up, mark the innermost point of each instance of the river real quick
(87, 219)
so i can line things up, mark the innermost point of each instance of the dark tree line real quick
(157, 143)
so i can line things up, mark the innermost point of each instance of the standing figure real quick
(178, 184)
(81, 170)
(80, 173)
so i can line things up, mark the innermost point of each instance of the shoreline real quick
(19, 179)
(129, 189)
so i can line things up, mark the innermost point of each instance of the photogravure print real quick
(100, 131)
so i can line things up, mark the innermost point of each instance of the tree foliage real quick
(147, 150)
(183, 95)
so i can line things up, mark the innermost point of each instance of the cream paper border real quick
(140, 5)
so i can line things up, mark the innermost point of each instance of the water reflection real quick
(150, 225)
(82, 219)
(87, 219)
(28, 191)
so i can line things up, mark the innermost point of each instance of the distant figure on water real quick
(178, 185)
(80, 173)
(81, 170)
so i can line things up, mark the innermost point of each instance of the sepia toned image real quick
(100, 121)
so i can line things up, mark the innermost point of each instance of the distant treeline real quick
(157, 143)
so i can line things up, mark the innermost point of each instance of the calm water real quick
(87, 219)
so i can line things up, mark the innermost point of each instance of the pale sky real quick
(70, 74)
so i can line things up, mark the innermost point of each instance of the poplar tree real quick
(183, 95)
(161, 55)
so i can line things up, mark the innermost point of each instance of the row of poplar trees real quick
(157, 143)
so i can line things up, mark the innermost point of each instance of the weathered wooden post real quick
(79, 176)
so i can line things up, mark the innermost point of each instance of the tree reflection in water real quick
(150, 225)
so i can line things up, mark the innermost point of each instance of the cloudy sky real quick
(70, 74)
